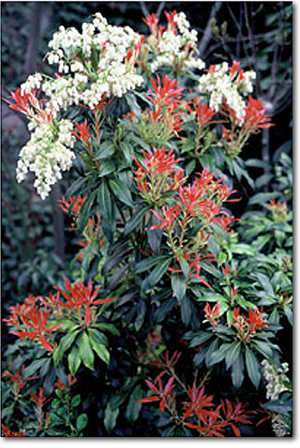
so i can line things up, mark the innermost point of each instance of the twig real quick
(207, 32)
(252, 42)
(160, 9)
(144, 8)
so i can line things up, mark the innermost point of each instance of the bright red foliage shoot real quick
(255, 116)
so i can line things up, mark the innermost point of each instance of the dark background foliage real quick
(37, 247)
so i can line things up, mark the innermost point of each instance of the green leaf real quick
(186, 310)
(97, 336)
(108, 327)
(121, 191)
(34, 367)
(141, 310)
(210, 351)
(216, 357)
(253, 368)
(64, 344)
(133, 407)
(157, 273)
(262, 198)
(75, 401)
(256, 163)
(154, 237)
(74, 360)
(86, 209)
(279, 406)
(237, 371)
(184, 267)
(81, 422)
(104, 150)
(207, 297)
(263, 348)
(232, 354)
(86, 352)
(243, 249)
(107, 210)
(148, 263)
(100, 349)
(200, 338)
(107, 167)
(136, 220)
(178, 286)
(110, 417)
(288, 311)
(163, 310)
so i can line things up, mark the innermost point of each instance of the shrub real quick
(166, 274)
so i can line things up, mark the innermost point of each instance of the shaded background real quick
(36, 246)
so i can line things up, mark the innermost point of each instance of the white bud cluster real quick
(64, 91)
(47, 154)
(276, 379)
(32, 82)
(86, 79)
(178, 48)
(280, 426)
(219, 85)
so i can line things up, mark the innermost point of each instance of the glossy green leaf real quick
(81, 422)
(156, 275)
(135, 221)
(85, 351)
(121, 191)
(253, 367)
(179, 286)
(74, 360)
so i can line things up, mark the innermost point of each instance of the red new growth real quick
(82, 132)
(27, 103)
(235, 68)
(170, 16)
(79, 296)
(31, 322)
(199, 404)
(72, 205)
(22, 101)
(9, 433)
(161, 393)
(165, 91)
(204, 113)
(158, 173)
(255, 116)
(167, 218)
(212, 314)
(256, 321)
(151, 21)
(247, 327)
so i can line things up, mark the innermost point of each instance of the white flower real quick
(280, 425)
(276, 378)
(32, 82)
(179, 48)
(220, 86)
(83, 80)
(47, 154)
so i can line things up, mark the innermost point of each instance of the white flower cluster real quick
(219, 85)
(93, 64)
(276, 378)
(280, 425)
(277, 382)
(180, 47)
(47, 154)
(32, 82)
